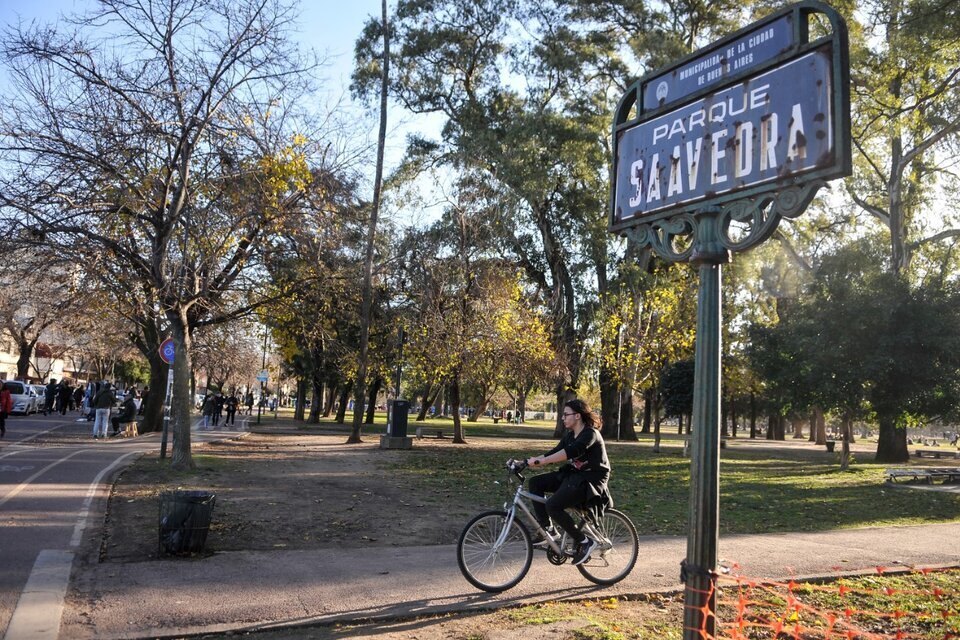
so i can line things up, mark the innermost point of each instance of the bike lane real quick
(51, 474)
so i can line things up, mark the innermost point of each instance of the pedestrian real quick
(78, 397)
(91, 393)
(102, 403)
(128, 413)
(50, 397)
(65, 396)
(231, 404)
(249, 403)
(143, 400)
(207, 408)
(6, 406)
(217, 409)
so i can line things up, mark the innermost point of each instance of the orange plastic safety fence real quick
(753, 608)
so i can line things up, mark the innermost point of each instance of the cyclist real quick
(582, 482)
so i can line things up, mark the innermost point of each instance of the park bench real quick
(936, 453)
(423, 431)
(926, 475)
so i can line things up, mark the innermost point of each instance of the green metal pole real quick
(700, 602)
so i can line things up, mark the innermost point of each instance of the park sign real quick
(762, 110)
(709, 155)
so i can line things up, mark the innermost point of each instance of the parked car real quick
(23, 396)
(41, 392)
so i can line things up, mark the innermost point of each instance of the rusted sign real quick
(766, 41)
(774, 125)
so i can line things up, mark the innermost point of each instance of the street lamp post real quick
(263, 366)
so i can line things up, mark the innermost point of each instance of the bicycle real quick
(495, 549)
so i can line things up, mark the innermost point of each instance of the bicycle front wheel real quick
(491, 558)
(613, 559)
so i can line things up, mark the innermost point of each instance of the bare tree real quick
(40, 302)
(155, 142)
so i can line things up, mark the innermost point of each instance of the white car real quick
(23, 395)
(41, 392)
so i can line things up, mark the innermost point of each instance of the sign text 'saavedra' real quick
(774, 125)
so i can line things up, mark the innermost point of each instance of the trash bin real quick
(830, 445)
(398, 419)
(185, 520)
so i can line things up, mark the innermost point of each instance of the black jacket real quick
(587, 463)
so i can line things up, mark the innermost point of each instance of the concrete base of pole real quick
(389, 442)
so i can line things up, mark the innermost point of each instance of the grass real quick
(916, 605)
(759, 491)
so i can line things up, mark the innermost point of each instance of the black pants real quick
(117, 421)
(230, 414)
(3, 423)
(567, 492)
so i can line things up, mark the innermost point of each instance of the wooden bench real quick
(423, 431)
(936, 453)
(925, 475)
(129, 429)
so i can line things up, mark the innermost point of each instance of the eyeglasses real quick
(567, 415)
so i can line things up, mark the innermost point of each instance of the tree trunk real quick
(627, 429)
(180, 418)
(845, 428)
(300, 412)
(428, 400)
(329, 393)
(647, 401)
(480, 410)
(821, 428)
(564, 395)
(655, 417)
(319, 404)
(771, 426)
(609, 401)
(25, 350)
(733, 417)
(724, 412)
(372, 399)
(344, 399)
(153, 408)
(455, 401)
(891, 442)
(680, 425)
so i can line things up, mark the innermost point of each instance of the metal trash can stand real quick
(185, 520)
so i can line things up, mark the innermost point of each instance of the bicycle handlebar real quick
(516, 466)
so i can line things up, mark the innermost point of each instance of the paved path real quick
(249, 590)
(54, 478)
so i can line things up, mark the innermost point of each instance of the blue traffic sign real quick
(167, 350)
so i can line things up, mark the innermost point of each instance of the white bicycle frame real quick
(518, 501)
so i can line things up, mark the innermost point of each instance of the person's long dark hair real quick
(590, 419)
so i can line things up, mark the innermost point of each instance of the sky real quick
(330, 27)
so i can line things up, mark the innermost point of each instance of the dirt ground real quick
(283, 491)
(294, 491)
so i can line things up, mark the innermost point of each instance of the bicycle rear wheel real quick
(490, 558)
(613, 559)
